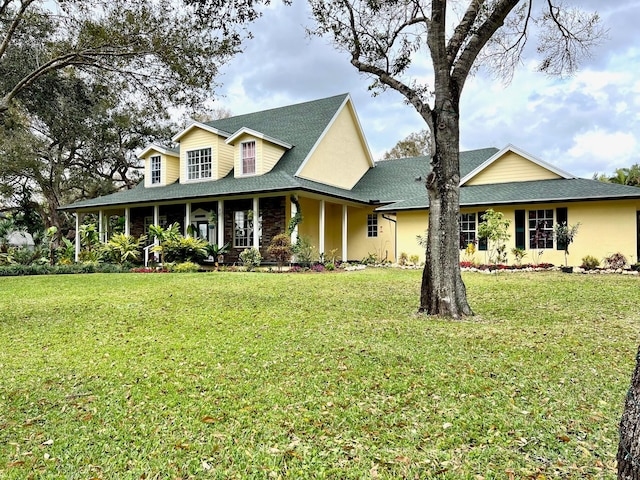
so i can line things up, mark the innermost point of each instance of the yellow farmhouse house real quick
(242, 179)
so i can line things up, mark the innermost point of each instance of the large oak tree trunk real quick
(629, 446)
(443, 292)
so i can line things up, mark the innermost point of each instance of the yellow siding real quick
(411, 224)
(225, 158)
(308, 228)
(605, 228)
(512, 168)
(267, 155)
(195, 139)
(341, 158)
(170, 169)
(360, 246)
(270, 155)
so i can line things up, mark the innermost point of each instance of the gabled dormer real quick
(204, 155)
(255, 153)
(512, 164)
(161, 166)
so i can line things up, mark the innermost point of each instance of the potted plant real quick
(565, 234)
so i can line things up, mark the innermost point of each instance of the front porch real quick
(242, 222)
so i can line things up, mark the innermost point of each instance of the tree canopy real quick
(168, 51)
(415, 144)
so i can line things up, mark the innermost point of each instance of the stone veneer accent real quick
(272, 210)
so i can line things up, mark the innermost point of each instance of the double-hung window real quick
(467, 229)
(156, 165)
(249, 158)
(541, 229)
(199, 164)
(372, 225)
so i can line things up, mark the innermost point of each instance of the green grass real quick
(239, 375)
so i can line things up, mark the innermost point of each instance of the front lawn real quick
(241, 375)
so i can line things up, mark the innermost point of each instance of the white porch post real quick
(127, 221)
(101, 234)
(344, 233)
(77, 236)
(156, 222)
(187, 218)
(294, 234)
(256, 222)
(321, 222)
(220, 223)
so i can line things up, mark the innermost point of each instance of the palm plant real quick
(162, 236)
(216, 251)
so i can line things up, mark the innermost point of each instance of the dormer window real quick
(156, 164)
(249, 158)
(199, 164)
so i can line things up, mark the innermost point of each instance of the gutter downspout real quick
(395, 236)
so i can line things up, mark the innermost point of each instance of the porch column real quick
(187, 218)
(344, 233)
(101, 233)
(256, 222)
(156, 215)
(220, 223)
(127, 221)
(77, 236)
(321, 236)
(294, 234)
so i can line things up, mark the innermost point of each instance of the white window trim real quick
(186, 164)
(377, 225)
(550, 234)
(151, 169)
(255, 158)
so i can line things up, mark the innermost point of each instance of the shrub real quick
(415, 259)
(251, 258)
(318, 267)
(304, 252)
(590, 262)
(404, 259)
(280, 248)
(615, 261)
(330, 266)
(123, 248)
(185, 249)
(185, 267)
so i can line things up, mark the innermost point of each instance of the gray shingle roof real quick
(396, 184)
(538, 191)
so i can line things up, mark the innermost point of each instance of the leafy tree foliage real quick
(70, 141)
(168, 51)
(383, 39)
(416, 144)
(622, 176)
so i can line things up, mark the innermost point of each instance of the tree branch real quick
(14, 24)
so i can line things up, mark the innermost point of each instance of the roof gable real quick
(157, 148)
(202, 126)
(340, 155)
(523, 167)
(253, 133)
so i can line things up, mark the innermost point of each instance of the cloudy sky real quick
(584, 124)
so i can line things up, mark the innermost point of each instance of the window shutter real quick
(520, 229)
